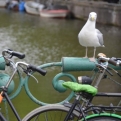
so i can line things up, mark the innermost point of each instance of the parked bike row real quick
(83, 91)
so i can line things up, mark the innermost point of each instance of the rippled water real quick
(46, 40)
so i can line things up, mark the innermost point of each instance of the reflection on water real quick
(46, 40)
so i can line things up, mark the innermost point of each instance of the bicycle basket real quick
(2, 63)
(4, 79)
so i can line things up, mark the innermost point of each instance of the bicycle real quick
(27, 68)
(81, 111)
(23, 79)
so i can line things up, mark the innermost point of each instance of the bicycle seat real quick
(80, 87)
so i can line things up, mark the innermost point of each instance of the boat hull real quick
(54, 13)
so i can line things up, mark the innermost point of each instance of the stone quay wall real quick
(107, 13)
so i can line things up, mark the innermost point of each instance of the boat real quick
(55, 11)
(3, 3)
(12, 5)
(32, 7)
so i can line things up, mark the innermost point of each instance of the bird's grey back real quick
(100, 37)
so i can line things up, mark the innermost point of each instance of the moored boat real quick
(32, 7)
(54, 13)
(13, 5)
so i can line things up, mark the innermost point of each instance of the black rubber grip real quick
(18, 54)
(34, 68)
(112, 61)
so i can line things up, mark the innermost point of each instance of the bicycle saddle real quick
(80, 87)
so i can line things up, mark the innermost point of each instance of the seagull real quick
(89, 36)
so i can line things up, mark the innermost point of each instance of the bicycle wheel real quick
(104, 118)
(52, 112)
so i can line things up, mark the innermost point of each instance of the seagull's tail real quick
(103, 45)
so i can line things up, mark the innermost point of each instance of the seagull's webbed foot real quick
(92, 59)
(85, 57)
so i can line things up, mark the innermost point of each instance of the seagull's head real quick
(92, 16)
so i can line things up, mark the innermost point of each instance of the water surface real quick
(46, 40)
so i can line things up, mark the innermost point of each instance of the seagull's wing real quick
(100, 37)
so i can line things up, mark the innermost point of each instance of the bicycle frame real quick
(76, 102)
(5, 95)
(4, 89)
(88, 107)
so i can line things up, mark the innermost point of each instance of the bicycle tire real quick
(104, 118)
(58, 113)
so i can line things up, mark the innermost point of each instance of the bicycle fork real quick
(72, 109)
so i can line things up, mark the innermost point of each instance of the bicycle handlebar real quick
(18, 54)
(114, 61)
(14, 53)
(34, 68)
(21, 56)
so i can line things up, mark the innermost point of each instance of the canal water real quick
(46, 40)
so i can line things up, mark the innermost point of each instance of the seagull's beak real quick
(92, 18)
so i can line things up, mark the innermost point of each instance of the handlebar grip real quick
(41, 71)
(112, 61)
(18, 54)
(15, 53)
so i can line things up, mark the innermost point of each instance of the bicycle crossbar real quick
(105, 94)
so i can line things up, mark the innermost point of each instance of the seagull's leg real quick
(93, 58)
(94, 52)
(86, 53)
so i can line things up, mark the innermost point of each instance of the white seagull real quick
(89, 36)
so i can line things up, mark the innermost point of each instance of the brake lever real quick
(32, 76)
(28, 72)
